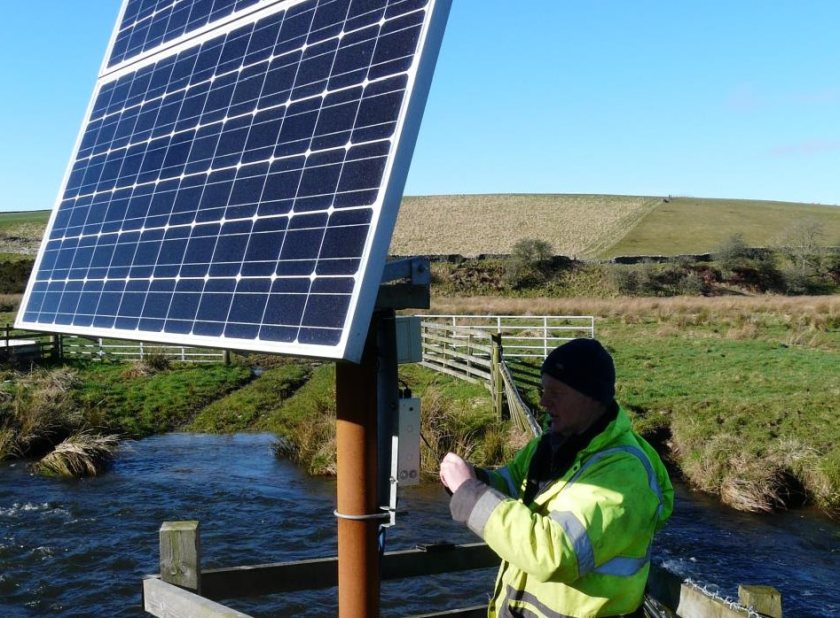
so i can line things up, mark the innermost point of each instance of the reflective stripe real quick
(520, 598)
(482, 510)
(512, 489)
(576, 532)
(620, 566)
(639, 454)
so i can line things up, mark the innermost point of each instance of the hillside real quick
(583, 226)
(603, 226)
(697, 225)
(574, 225)
(21, 232)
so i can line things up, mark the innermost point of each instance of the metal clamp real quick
(383, 515)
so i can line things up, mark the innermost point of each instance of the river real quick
(80, 548)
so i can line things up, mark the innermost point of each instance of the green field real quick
(14, 222)
(691, 225)
(21, 233)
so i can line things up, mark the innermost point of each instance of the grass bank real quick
(297, 403)
(42, 407)
(741, 393)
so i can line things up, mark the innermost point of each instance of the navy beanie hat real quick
(584, 365)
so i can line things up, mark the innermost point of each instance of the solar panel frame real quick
(372, 258)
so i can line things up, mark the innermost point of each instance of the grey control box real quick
(407, 470)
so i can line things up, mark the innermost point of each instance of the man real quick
(573, 515)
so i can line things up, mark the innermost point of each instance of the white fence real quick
(117, 349)
(522, 336)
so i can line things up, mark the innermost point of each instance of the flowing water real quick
(80, 548)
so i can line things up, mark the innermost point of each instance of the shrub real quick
(14, 275)
(528, 263)
(732, 252)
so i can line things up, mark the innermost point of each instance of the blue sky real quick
(737, 98)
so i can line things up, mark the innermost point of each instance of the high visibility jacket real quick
(581, 548)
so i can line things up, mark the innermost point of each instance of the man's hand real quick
(454, 471)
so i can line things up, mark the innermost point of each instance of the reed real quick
(81, 455)
(36, 408)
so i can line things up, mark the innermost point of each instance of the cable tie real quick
(384, 515)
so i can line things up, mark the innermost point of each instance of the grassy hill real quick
(583, 226)
(574, 225)
(604, 226)
(21, 232)
(697, 225)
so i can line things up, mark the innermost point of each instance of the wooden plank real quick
(462, 368)
(455, 354)
(765, 600)
(695, 604)
(180, 554)
(168, 601)
(450, 342)
(451, 372)
(322, 573)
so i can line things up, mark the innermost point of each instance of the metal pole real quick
(388, 402)
(358, 555)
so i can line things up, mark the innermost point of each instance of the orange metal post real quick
(358, 554)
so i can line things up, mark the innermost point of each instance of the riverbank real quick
(739, 393)
(81, 549)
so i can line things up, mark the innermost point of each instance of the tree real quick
(528, 263)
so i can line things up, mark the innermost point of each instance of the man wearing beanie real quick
(572, 517)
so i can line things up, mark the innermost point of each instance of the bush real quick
(14, 275)
(648, 279)
(528, 263)
(732, 252)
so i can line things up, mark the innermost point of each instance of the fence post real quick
(55, 353)
(545, 336)
(496, 373)
(180, 554)
(226, 355)
(469, 352)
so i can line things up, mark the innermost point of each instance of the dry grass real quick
(9, 303)
(574, 225)
(37, 408)
(80, 455)
(801, 315)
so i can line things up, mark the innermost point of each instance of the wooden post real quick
(356, 462)
(765, 600)
(180, 554)
(496, 371)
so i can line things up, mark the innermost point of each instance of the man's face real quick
(571, 412)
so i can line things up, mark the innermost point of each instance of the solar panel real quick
(238, 177)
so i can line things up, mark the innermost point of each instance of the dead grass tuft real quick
(80, 455)
(37, 408)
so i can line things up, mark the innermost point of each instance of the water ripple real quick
(80, 548)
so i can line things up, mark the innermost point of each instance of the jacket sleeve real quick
(608, 509)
